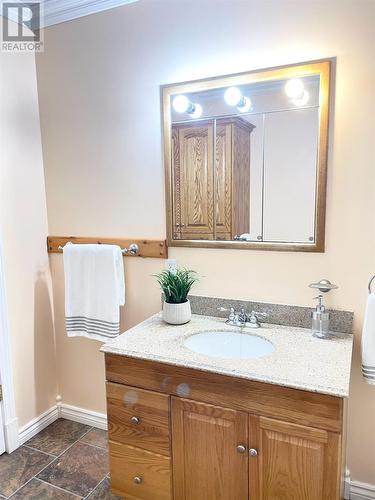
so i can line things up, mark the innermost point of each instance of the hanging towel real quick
(368, 341)
(94, 290)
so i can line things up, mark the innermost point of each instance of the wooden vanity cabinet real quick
(211, 178)
(218, 437)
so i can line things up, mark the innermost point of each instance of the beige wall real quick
(99, 84)
(23, 229)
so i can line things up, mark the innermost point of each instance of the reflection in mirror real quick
(244, 161)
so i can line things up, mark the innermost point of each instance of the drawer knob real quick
(137, 479)
(241, 448)
(135, 420)
(253, 452)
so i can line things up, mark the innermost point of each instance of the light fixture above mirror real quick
(181, 104)
(295, 90)
(234, 97)
(303, 100)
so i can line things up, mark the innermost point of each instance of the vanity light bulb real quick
(197, 111)
(302, 100)
(247, 105)
(294, 88)
(233, 96)
(181, 103)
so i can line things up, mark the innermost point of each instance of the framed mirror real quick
(246, 159)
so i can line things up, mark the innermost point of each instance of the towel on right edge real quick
(368, 341)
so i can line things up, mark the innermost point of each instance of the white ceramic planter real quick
(177, 314)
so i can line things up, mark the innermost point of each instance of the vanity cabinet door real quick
(210, 460)
(292, 462)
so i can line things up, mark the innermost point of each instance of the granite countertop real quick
(299, 360)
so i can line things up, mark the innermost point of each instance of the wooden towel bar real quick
(147, 248)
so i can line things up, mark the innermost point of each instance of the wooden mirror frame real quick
(321, 68)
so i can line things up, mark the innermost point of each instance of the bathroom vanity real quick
(189, 425)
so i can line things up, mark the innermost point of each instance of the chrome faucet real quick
(242, 318)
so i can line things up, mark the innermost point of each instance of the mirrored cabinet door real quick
(223, 181)
(192, 146)
(211, 173)
(246, 159)
(290, 159)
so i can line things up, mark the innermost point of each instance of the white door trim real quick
(2, 436)
(8, 405)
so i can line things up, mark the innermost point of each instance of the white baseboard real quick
(37, 424)
(355, 490)
(88, 417)
(361, 491)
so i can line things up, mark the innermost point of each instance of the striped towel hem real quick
(108, 324)
(91, 336)
(90, 332)
(82, 324)
(88, 322)
(368, 373)
(78, 325)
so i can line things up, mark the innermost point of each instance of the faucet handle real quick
(252, 319)
(230, 310)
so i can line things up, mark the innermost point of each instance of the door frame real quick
(7, 406)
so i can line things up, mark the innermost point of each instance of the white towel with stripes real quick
(94, 290)
(368, 341)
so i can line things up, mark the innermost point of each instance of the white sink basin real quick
(230, 345)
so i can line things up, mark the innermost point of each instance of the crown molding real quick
(59, 11)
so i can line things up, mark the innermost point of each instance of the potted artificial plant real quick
(176, 286)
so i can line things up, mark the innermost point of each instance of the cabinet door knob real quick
(253, 452)
(241, 448)
(135, 420)
(137, 479)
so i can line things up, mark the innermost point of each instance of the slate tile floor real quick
(65, 461)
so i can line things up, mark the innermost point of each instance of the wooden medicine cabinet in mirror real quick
(246, 159)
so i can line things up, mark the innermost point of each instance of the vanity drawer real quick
(139, 474)
(138, 417)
